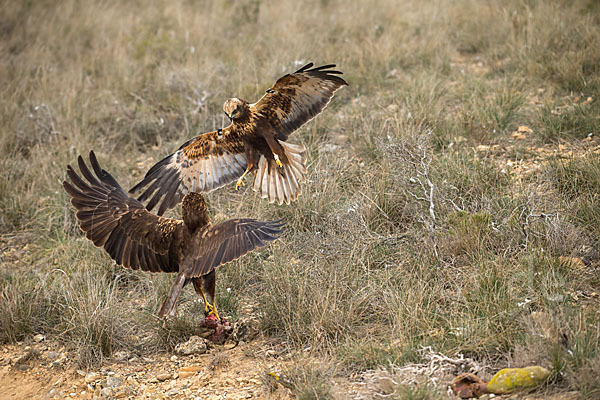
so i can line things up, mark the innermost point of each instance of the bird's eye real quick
(269, 90)
(220, 132)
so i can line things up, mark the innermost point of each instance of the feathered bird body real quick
(137, 239)
(255, 141)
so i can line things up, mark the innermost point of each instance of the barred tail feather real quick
(281, 185)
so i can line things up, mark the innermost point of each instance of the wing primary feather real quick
(153, 172)
(86, 172)
(323, 67)
(307, 66)
(166, 185)
(84, 186)
(169, 198)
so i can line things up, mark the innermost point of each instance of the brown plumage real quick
(253, 142)
(137, 239)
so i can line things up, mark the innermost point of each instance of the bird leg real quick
(214, 310)
(252, 158)
(206, 304)
(240, 181)
(276, 149)
(209, 308)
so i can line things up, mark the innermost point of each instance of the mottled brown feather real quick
(137, 239)
(298, 97)
(215, 159)
(202, 164)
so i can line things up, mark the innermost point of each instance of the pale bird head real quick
(235, 108)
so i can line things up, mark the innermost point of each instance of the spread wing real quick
(297, 98)
(202, 164)
(131, 235)
(227, 241)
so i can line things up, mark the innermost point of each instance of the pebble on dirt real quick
(195, 345)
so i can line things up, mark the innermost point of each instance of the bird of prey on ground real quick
(255, 141)
(137, 239)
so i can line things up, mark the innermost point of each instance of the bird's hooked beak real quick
(230, 116)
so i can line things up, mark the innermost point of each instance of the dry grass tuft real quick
(407, 233)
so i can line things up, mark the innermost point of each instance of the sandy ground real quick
(44, 371)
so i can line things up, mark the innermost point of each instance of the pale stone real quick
(195, 345)
(164, 376)
(91, 377)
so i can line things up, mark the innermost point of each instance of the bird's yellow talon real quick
(240, 181)
(213, 311)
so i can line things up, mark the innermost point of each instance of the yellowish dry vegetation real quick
(372, 266)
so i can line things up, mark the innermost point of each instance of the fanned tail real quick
(281, 185)
(168, 307)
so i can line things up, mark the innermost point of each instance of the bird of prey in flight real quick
(255, 141)
(137, 239)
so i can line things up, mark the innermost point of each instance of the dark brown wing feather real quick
(227, 241)
(202, 164)
(131, 235)
(297, 98)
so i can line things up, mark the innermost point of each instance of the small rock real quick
(186, 374)
(387, 385)
(524, 129)
(91, 377)
(195, 345)
(509, 380)
(230, 344)
(340, 139)
(52, 355)
(164, 376)
(518, 135)
(113, 382)
(52, 392)
(106, 392)
(246, 328)
(39, 337)
(173, 358)
(172, 392)
(329, 148)
(125, 392)
(121, 355)
(23, 367)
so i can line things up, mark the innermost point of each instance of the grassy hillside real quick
(453, 198)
